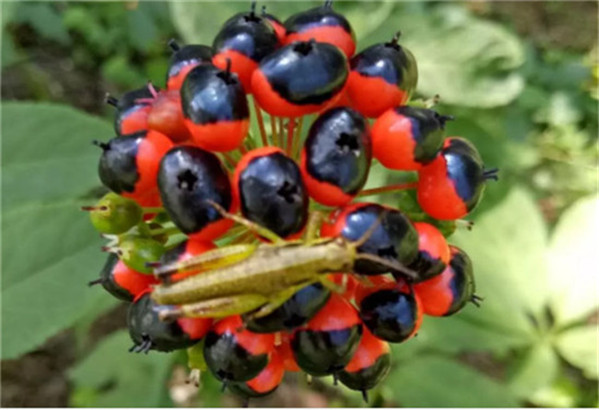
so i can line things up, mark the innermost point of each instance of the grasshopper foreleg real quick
(213, 259)
(213, 308)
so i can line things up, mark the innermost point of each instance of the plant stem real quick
(258, 111)
(275, 135)
(388, 188)
(290, 129)
(152, 210)
(297, 139)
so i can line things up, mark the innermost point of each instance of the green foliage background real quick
(522, 83)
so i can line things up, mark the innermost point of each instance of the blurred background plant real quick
(521, 79)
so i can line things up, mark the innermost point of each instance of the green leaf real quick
(507, 247)
(143, 32)
(463, 332)
(430, 381)
(198, 23)
(579, 346)
(535, 371)
(44, 19)
(466, 60)
(572, 261)
(49, 248)
(112, 377)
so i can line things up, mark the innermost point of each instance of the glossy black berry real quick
(300, 78)
(326, 344)
(337, 155)
(296, 311)
(188, 178)
(183, 60)
(148, 332)
(235, 354)
(271, 191)
(394, 239)
(245, 39)
(391, 314)
(382, 76)
(322, 24)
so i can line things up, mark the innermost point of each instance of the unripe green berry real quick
(136, 252)
(114, 214)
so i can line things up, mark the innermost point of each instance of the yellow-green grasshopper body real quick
(269, 269)
(242, 278)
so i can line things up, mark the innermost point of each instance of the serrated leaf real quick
(120, 378)
(431, 381)
(507, 247)
(580, 347)
(535, 371)
(49, 248)
(572, 261)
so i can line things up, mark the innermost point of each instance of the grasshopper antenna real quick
(252, 226)
(370, 231)
(392, 265)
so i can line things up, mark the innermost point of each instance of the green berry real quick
(114, 214)
(136, 252)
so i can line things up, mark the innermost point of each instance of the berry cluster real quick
(184, 162)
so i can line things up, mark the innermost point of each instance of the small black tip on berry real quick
(476, 300)
(173, 45)
(335, 379)
(444, 118)
(394, 43)
(104, 145)
(365, 395)
(491, 174)
(109, 99)
(304, 48)
(328, 4)
(263, 10)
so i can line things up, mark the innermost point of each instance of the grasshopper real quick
(238, 279)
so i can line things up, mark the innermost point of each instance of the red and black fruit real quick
(369, 366)
(382, 76)
(131, 114)
(452, 185)
(122, 282)
(322, 24)
(234, 354)
(326, 344)
(265, 383)
(189, 177)
(166, 116)
(295, 312)
(336, 157)
(244, 39)
(405, 138)
(391, 313)
(448, 293)
(148, 332)
(129, 164)
(395, 238)
(270, 191)
(300, 78)
(276, 24)
(433, 252)
(183, 60)
(184, 251)
(215, 108)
